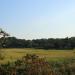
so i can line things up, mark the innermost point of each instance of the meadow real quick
(13, 54)
(29, 61)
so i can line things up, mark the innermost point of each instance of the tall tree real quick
(3, 36)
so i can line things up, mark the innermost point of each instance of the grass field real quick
(50, 55)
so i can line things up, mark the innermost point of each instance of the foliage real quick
(28, 65)
(31, 64)
(62, 43)
(3, 35)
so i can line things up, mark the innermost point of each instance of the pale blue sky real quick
(33, 19)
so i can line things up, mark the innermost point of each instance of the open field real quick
(50, 55)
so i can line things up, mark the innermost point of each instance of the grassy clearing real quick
(50, 55)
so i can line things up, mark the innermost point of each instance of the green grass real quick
(50, 55)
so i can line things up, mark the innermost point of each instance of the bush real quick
(33, 65)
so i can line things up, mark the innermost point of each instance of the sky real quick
(35, 19)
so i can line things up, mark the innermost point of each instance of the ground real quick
(13, 54)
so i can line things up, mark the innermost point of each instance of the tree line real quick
(51, 43)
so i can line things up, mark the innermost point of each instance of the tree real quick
(3, 36)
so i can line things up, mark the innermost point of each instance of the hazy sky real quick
(31, 19)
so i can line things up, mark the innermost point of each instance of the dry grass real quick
(14, 54)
